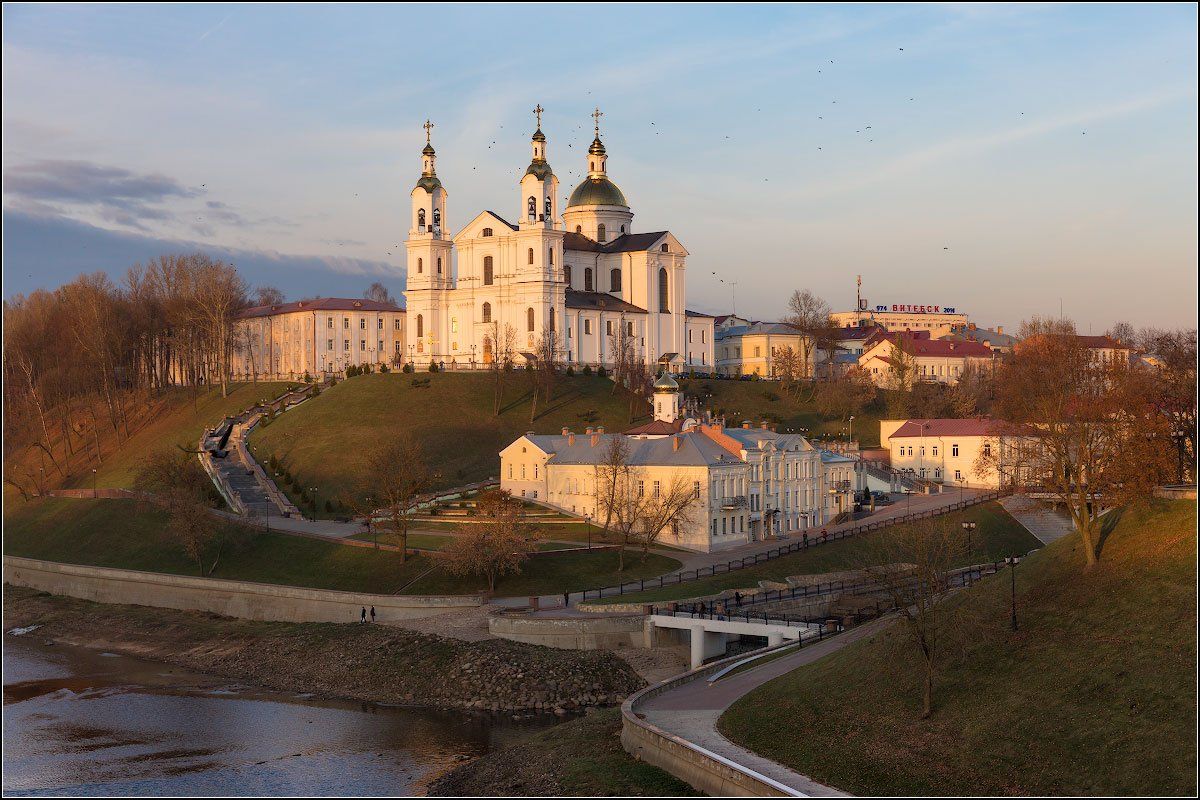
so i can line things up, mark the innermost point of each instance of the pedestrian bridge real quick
(710, 632)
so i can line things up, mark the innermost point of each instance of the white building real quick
(924, 359)
(325, 335)
(577, 277)
(948, 451)
(749, 482)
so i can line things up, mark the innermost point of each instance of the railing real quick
(730, 503)
(686, 576)
(718, 609)
(786, 620)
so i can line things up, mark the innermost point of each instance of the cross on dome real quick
(538, 111)
(428, 126)
(596, 115)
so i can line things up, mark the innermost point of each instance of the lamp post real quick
(1180, 436)
(370, 527)
(587, 521)
(1012, 562)
(967, 528)
(94, 492)
(313, 489)
(850, 437)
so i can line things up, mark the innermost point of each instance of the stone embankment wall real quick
(571, 633)
(240, 599)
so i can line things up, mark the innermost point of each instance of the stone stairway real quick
(1038, 518)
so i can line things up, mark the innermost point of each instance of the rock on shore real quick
(368, 662)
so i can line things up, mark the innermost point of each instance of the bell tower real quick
(539, 185)
(429, 268)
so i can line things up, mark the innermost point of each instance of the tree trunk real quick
(927, 699)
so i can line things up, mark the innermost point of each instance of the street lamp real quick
(94, 493)
(850, 437)
(587, 521)
(1012, 562)
(1180, 436)
(967, 528)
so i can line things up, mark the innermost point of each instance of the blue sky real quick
(1051, 149)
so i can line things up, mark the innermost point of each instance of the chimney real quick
(999, 329)
(763, 425)
(675, 442)
(600, 430)
(590, 430)
(746, 424)
(570, 439)
(566, 431)
(595, 439)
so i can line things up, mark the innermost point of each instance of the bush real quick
(601, 371)
(587, 369)
(328, 507)
(274, 462)
(433, 367)
(570, 371)
(408, 368)
(383, 368)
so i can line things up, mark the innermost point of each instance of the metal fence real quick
(685, 576)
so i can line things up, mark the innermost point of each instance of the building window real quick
(579, 229)
(330, 322)
(362, 344)
(587, 327)
(587, 279)
(420, 326)
(608, 327)
(550, 255)
(346, 345)
(487, 270)
(345, 323)
(696, 490)
(454, 324)
(663, 304)
(486, 232)
(530, 256)
(954, 450)
(420, 266)
(641, 488)
(529, 319)
(329, 344)
(362, 324)
(439, 265)
(614, 280)
(567, 274)
(552, 320)
(600, 234)
(396, 324)
(666, 248)
(487, 312)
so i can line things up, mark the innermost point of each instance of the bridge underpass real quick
(710, 634)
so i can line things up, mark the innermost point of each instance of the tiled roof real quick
(656, 427)
(976, 426)
(502, 219)
(600, 301)
(318, 304)
(628, 243)
(939, 348)
(694, 449)
(1102, 343)
(690, 313)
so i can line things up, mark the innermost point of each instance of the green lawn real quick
(322, 441)
(128, 535)
(997, 535)
(1095, 695)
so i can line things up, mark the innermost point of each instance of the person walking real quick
(806, 539)
(372, 613)
(737, 598)
(363, 616)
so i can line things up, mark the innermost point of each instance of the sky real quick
(998, 159)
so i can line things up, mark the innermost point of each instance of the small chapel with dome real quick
(579, 281)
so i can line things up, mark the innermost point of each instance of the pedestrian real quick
(737, 598)
(372, 613)
(824, 535)
(806, 538)
(566, 599)
(363, 616)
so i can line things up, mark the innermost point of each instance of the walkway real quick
(691, 710)
(1045, 523)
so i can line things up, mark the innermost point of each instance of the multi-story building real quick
(902, 359)
(969, 453)
(997, 339)
(325, 335)
(580, 281)
(749, 482)
(755, 349)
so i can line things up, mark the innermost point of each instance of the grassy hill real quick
(1094, 695)
(127, 535)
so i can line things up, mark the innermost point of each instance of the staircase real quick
(1036, 517)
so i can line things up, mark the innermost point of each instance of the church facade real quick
(578, 280)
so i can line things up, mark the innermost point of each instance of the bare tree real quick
(495, 546)
(268, 296)
(665, 509)
(498, 354)
(393, 479)
(379, 293)
(808, 314)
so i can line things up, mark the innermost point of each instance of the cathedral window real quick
(551, 256)
(454, 324)
(439, 265)
(567, 274)
(529, 319)
(530, 255)
(486, 232)
(622, 229)
(420, 326)
(552, 320)
(600, 234)
(666, 248)
(487, 312)
(587, 327)
(579, 229)
(420, 266)
(587, 279)
(663, 305)
(421, 219)
(614, 280)
(487, 270)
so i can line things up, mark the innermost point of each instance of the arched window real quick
(532, 205)
(439, 265)
(614, 280)
(487, 270)
(579, 229)
(622, 229)
(420, 326)
(600, 235)
(487, 232)
(663, 306)
(529, 319)
(587, 279)
(420, 218)
(531, 255)
(567, 274)
(593, 166)
(487, 312)
(420, 266)
(552, 320)
(666, 248)
(552, 256)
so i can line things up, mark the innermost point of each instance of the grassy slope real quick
(322, 441)
(752, 400)
(1094, 695)
(579, 758)
(120, 533)
(997, 536)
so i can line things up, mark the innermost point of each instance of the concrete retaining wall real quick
(241, 599)
(571, 633)
(710, 773)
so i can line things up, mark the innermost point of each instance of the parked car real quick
(882, 498)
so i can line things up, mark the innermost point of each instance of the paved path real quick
(1045, 523)
(691, 711)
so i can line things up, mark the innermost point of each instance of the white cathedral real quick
(576, 278)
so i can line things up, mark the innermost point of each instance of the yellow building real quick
(760, 349)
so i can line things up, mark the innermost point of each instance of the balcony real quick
(839, 487)
(731, 503)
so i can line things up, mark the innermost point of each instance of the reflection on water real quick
(81, 722)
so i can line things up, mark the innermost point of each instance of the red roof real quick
(656, 428)
(1101, 343)
(978, 426)
(318, 304)
(940, 348)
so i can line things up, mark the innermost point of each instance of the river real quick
(80, 722)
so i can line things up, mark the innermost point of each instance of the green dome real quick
(597, 192)
(540, 170)
(428, 183)
(666, 383)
